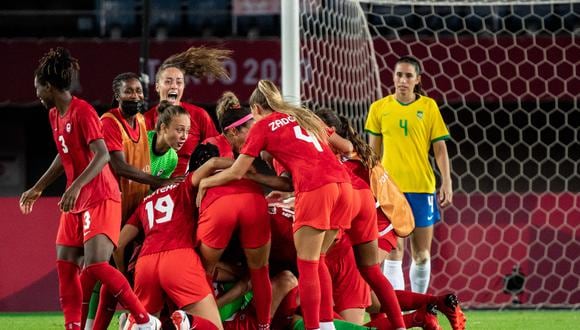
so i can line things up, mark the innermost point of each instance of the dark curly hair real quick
(57, 67)
(201, 154)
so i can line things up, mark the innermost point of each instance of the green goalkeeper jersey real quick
(161, 165)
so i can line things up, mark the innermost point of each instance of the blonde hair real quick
(268, 96)
(198, 62)
(229, 100)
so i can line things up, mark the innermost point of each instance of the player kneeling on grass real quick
(168, 264)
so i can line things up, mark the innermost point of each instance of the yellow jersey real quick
(408, 130)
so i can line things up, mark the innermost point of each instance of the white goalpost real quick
(505, 75)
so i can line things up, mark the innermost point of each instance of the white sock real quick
(327, 326)
(393, 270)
(419, 276)
(89, 324)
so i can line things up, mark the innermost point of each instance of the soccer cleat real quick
(180, 320)
(449, 305)
(124, 323)
(430, 321)
(153, 324)
(127, 322)
(424, 318)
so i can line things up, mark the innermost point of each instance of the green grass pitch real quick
(476, 320)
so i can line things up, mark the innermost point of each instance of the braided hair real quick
(57, 67)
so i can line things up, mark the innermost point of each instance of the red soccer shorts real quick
(327, 207)
(77, 228)
(364, 223)
(247, 211)
(349, 289)
(178, 274)
(387, 237)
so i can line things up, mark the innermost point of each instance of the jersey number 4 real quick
(307, 137)
(163, 207)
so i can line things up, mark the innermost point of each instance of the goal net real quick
(506, 77)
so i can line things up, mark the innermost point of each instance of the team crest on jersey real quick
(68, 127)
(420, 114)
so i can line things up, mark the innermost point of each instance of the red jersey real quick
(168, 218)
(223, 145)
(230, 188)
(202, 127)
(311, 163)
(72, 134)
(282, 250)
(112, 134)
(358, 168)
(359, 174)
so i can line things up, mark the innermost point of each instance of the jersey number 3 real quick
(64, 147)
(163, 205)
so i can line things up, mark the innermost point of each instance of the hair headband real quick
(239, 122)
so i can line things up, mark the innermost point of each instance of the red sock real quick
(380, 323)
(118, 285)
(286, 309)
(326, 305)
(87, 284)
(106, 309)
(70, 293)
(262, 294)
(199, 323)
(385, 292)
(375, 316)
(309, 290)
(411, 300)
(411, 321)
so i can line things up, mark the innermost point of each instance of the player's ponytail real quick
(198, 62)
(363, 149)
(268, 96)
(230, 113)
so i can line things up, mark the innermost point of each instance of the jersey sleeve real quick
(256, 141)
(373, 122)
(112, 134)
(90, 125)
(135, 219)
(279, 168)
(438, 128)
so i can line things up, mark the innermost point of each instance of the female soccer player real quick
(297, 139)
(402, 128)
(170, 134)
(168, 264)
(126, 137)
(91, 208)
(239, 205)
(170, 83)
(364, 233)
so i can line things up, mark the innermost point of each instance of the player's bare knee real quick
(421, 257)
(286, 280)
